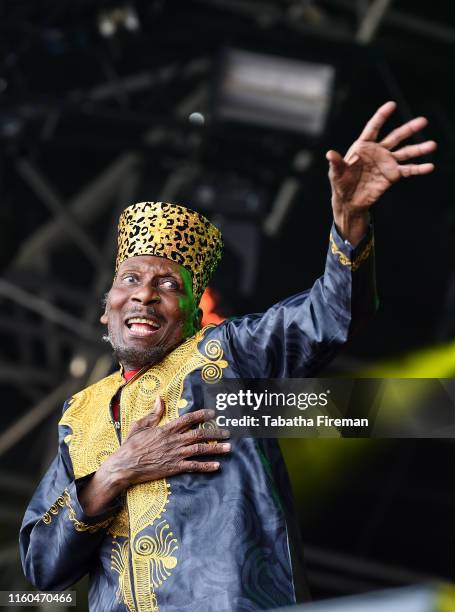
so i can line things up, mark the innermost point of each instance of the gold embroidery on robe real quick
(344, 259)
(93, 439)
(65, 500)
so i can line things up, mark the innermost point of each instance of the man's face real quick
(149, 310)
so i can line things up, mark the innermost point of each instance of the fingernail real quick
(226, 447)
(355, 158)
(210, 413)
(225, 433)
(216, 465)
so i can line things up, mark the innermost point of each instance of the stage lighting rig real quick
(120, 17)
(275, 91)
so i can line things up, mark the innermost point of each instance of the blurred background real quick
(229, 106)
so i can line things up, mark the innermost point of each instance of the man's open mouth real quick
(141, 326)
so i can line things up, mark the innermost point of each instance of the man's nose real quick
(146, 294)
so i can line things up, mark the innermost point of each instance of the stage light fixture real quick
(110, 21)
(275, 91)
(196, 118)
(131, 19)
(106, 25)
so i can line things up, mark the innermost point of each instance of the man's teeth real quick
(143, 321)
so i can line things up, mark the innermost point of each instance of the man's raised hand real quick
(369, 168)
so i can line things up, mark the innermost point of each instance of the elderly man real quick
(136, 496)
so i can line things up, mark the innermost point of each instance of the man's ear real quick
(103, 318)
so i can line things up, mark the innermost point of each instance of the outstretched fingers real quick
(374, 125)
(415, 169)
(404, 131)
(416, 150)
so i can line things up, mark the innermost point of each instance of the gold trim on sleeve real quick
(79, 525)
(53, 510)
(344, 259)
(65, 500)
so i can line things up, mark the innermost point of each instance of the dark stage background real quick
(107, 103)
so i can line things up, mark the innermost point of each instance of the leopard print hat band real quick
(171, 231)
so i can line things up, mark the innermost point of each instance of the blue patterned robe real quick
(225, 541)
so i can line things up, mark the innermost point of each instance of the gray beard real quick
(134, 359)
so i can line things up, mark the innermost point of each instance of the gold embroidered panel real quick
(149, 540)
(153, 557)
(92, 439)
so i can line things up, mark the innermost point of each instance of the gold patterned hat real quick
(171, 231)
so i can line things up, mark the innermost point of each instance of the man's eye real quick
(129, 278)
(169, 283)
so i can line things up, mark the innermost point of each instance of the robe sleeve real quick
(296, 337)
(58, 542)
